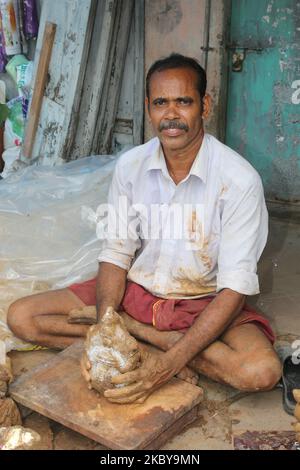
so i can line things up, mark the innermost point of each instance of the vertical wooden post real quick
(39, 88)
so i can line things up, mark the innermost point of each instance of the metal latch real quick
(239, 55)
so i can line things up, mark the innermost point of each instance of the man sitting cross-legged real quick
(185, 294)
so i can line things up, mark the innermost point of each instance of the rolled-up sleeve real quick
(121, 239)
(244, 234)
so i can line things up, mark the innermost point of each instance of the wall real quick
(190, 27)
(263, 121)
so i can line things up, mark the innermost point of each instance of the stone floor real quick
(225, 411)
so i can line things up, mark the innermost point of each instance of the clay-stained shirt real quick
(194, 238)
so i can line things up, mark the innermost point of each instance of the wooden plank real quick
(217, 66)
(56, 389)
(129, 122)
(74, 19)
(123, 126)
(175, 429)
(95, 76)
(112, 87)
(104, 79)
(39, 88)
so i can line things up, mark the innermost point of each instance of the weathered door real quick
(90, 106)
(263, 115)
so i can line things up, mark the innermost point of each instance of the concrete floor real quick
(224, 412)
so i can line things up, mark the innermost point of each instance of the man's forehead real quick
(182, 79)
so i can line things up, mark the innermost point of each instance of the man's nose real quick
(171, 112)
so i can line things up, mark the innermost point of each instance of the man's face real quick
(175, 108)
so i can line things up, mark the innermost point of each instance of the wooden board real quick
(129, 123)
(112, 87)
(104, 80)
(57, 390)
(95, 77)
(39, 88)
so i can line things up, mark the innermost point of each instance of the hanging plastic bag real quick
(21, 24)
(10, 25)
(3, 58)
(14, 124)
(10, 156)
(30, 19)
(24, 79)
(24, 75)
(12, 65)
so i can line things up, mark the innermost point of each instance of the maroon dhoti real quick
(167, 314)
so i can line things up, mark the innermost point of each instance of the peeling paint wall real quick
(263, 118)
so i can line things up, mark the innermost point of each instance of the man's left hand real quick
(154, 371)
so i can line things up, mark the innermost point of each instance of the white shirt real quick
(224, 228)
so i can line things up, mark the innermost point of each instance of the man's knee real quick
(259, 375)
(19, 319)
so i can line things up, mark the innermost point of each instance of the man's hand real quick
(85, 368)
(155, 370)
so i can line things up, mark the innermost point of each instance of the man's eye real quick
(159, 102)
(184, 101)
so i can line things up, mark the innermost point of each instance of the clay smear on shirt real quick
(188, 282)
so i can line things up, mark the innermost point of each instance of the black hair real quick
(178, 61)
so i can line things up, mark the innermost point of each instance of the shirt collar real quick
(200, 164)
(199, 168)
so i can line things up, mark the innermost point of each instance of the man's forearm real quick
(111, 284)
(209, 325)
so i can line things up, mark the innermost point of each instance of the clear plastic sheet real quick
(48, 239)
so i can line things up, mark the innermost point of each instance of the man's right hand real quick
(85, 368)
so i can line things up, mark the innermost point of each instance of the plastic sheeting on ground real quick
(47, 237)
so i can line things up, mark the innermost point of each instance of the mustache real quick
(173, 125)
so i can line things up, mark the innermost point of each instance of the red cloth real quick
(167, 314)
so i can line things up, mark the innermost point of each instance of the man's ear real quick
(206, 106)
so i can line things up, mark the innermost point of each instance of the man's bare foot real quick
(188, 375)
